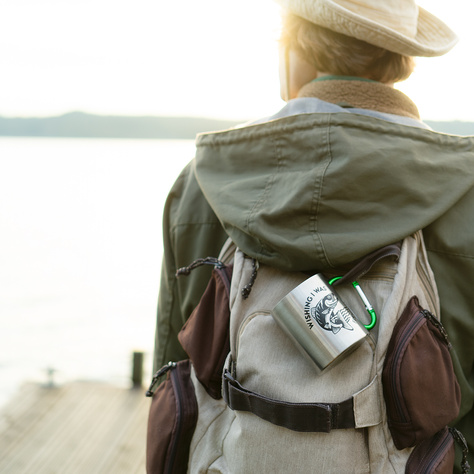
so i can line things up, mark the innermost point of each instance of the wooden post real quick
(137, 369)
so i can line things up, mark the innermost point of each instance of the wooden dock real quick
(78, 428)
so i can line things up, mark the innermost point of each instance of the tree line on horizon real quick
(83, 125)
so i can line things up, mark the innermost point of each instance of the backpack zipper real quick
(415, 322)
(224, 276)
(412, 326)
(436, 451)
(438, 325)
(179, 422)
(170, 366)
(440, 450)
(158, 374)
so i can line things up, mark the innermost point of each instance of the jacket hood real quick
(315, 191)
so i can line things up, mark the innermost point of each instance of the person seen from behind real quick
(344, 169)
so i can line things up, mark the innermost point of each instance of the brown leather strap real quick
(305, 417)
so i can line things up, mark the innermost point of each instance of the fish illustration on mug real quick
(325, 314)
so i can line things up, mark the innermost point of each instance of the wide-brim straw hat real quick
(400, 26)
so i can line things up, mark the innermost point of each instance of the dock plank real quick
(78, 428)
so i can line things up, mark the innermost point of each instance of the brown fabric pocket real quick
(171, 421)
(434, 455)
(205, 336)
(420, 389)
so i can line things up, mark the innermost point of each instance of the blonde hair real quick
(338, 54)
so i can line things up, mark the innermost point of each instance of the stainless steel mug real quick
(318, 321)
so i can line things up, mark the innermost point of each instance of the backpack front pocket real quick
(420, 388)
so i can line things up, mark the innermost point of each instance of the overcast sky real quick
(212, 58)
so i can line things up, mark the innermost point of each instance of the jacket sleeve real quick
(191, 230)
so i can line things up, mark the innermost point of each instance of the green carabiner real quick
(368, 306)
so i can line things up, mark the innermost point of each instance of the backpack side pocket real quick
(205, 335)
(420, 388)
(172, 421)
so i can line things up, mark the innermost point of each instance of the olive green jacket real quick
(318, 186)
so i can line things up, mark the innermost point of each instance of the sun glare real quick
(208, 58)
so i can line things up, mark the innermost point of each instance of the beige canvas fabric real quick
(268, 363)
(400, 26)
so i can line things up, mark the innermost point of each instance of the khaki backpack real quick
(253, 403)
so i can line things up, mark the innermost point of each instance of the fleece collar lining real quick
(363, 95)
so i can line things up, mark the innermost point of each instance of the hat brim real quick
(433, 37)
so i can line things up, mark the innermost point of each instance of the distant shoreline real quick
(83, 125)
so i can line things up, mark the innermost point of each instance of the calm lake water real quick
(80, 234)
